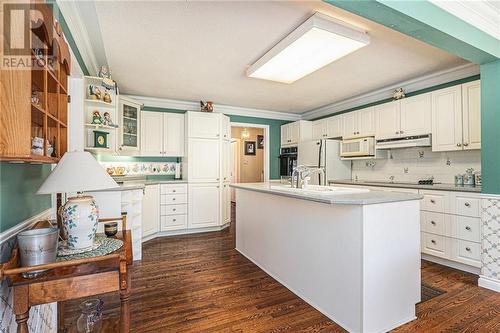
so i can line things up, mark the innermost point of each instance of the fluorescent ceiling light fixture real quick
(314, 44)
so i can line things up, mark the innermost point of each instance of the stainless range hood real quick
(406, 142)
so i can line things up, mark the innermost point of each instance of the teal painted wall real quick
(490, 122)
(18, 198)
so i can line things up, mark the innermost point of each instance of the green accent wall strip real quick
(414, 93)
(490, 121)
(69, 37)
(428, 23)
(18, 198)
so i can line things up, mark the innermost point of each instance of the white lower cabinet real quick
(226, 204)
(173, 207)
(204, 205)
(150, 210)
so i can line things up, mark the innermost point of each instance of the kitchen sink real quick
(320, 190)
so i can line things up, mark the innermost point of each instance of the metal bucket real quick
(37, 247)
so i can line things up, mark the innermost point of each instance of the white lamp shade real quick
(77, 171)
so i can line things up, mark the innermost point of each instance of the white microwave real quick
(358, 147)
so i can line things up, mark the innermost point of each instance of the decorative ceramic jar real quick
(80, 216)
(90, 320)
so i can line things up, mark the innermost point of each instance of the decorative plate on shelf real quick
(64, 250)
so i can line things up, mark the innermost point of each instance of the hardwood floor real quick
(200, 283)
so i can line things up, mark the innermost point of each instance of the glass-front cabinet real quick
(130, 117)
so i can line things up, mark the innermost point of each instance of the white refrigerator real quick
(324, 154)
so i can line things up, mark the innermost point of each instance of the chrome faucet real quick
(302, 174)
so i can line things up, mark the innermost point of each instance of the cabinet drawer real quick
(173, 210)
(173, 222)
(433, 203)
(433, 222)
(468, 252)
(173, 189)
(173, 199)
(468, 228)
(434, 244)
(467, 206)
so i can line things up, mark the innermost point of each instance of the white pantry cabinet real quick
(204, 205)
(293, 133)
(471, 112)
(151, 210)
(359, 123)
(205, 125)
(456, 117)
(162, 134)
(204, 160)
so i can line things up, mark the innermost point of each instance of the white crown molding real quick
(226, 109)
(384, 93)
(7, 234)
(70, 12)
(483, 15)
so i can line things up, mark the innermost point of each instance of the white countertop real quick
(437, 186)
(363, 198)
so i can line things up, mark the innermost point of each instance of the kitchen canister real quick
(469, 178)
(459, 180)
(37, 247)
(477, 176)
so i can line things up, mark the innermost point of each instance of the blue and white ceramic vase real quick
(79, 216)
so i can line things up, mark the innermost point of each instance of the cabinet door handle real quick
(467, 204)
(467, 249)
(173, 199)
(433, 241)
(218, 186)
(401, 132)
(433, 223)
(174, 191)
(174, 209)
(218, 135)
(433, 201)
(217, 178)
(174, 220)
(397, 132)
(466, 144)
(459, 145)
(467, 228)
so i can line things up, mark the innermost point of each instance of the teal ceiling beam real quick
(428, 23)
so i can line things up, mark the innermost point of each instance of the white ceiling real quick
(200, 50)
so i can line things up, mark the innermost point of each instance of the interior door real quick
(447, 119)
(387, 120)
(471, 96)
(151, 133)
(416, 115)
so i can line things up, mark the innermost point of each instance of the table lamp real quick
(78, 171)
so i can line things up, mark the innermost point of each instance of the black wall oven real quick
(288, 161)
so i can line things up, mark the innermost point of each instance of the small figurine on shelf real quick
(96, 118)
(107, 120)
(207, 107)
(398, 94)
(107, 82)
(95, 92)
(37, 146)
(50, 148)
(35, 99)
(53, 153)
(107, 97)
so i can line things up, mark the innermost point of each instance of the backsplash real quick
(140, 168)
(410, 165)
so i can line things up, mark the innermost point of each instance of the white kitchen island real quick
(353, 256)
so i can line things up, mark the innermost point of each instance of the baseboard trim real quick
(489, 283)
(452, 264)
(7, 234)
(184, 232)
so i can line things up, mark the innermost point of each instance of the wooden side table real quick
(73, 279)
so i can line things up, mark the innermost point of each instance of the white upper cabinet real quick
(293, 133)
(359, 123)
(203, 125)
(162, 134)
(334, 126)
(471, 103)
(225, 127)
(416, 115)
(447, 119)
(319, 129)
(173, 134)
(130, 119)
(388, 120)
(151, 133)
(204, 160)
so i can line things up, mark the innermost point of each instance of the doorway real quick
(249, 150)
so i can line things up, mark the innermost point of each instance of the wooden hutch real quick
(34, 98)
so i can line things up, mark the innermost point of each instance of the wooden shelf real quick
(97, 126)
